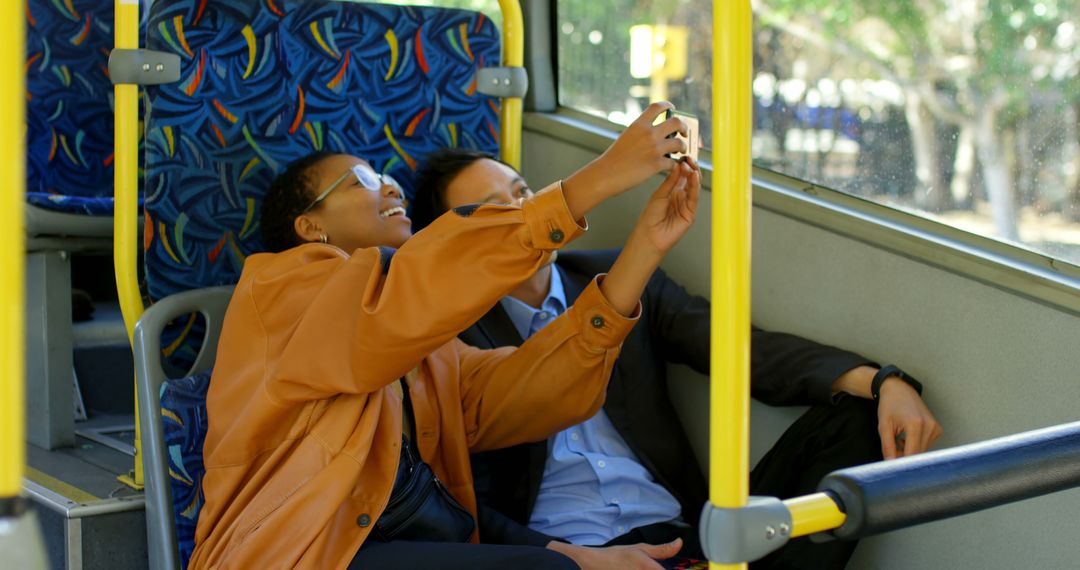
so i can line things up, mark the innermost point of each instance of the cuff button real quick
(363, 521)
(557, 236)
(598, 322)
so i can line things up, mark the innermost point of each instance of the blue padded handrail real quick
(891, 495)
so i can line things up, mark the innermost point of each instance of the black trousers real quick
(822, 440)
(457, 556)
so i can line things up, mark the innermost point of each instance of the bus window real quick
(615, 56)
(964, 113)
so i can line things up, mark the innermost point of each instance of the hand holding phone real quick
(693, 144)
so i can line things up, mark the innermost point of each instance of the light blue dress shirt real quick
(593, 488)
(527, 320)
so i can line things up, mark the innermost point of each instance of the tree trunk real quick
(996, 175)
(1025, 165)
(1072, 208)
(921, 124)
(964, 167)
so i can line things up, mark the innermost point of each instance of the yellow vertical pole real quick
(126, 214)
(729, 421)
(12, 247)
(513, 35)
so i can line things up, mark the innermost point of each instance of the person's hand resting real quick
(631, 557)
(905, 423)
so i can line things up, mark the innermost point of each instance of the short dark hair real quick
(438, 170)
(286, 199)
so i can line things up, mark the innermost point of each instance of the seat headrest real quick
(266, 83)
(69, 153)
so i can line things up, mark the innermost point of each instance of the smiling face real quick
(486, 181)
(350, 215)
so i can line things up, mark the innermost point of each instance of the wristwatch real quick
(887, 371)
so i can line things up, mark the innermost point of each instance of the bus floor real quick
(88, 518)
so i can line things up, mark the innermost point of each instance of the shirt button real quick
(601, 464)
(598, 322)
(575, 436)
(544, 315)
(363, 521)
(556, 236)
(615, 501)
(621, 529)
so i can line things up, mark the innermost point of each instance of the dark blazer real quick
(674, 327)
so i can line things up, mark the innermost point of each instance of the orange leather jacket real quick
(304, 430)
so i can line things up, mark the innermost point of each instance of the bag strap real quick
(408, 421)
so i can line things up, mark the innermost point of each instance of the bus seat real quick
(69, 107)
(183, 409)
(69, 199)
(265, 83)
(172, 413)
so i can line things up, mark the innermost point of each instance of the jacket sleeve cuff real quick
(821, 387)
(601, 326)
(550, 224)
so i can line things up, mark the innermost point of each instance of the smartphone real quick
(693, 144)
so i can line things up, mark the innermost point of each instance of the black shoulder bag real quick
(420, 508)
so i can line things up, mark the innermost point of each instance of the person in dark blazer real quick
(629, 475)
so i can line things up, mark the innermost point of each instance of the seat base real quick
(49, 362)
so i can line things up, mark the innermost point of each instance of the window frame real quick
(1011, 268)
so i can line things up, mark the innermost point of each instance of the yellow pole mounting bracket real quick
(744, 534)
(143, 67)
(503, 81)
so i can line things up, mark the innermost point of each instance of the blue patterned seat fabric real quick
(69, 106)
(183, 413)
(265, 83)
(262, 84)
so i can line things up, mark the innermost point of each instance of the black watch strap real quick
(887, 371)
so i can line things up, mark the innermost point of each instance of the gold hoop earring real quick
(323, 238)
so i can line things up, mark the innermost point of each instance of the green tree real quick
(965, 62)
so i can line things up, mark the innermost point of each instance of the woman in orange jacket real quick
(306, 411)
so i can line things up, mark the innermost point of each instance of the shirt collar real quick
(521, 314)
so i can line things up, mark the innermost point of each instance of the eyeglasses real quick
(368, 179)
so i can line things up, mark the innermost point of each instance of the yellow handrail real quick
(513, 34)
(814, 513)
(12, 247)
(126, 214)
(729, 419)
